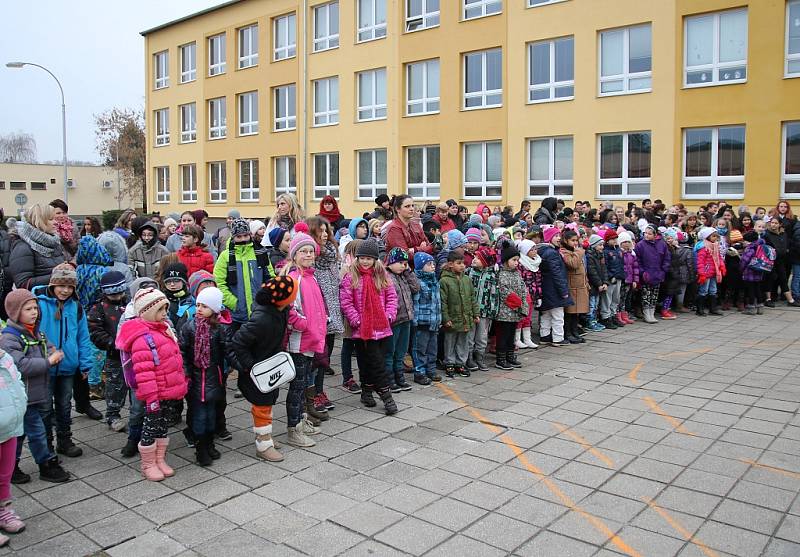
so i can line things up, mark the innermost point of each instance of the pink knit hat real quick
(299, 240)
(550, 233)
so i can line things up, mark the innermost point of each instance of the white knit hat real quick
(705, 232)
(255, 226)
(211, 296)
(624, 236)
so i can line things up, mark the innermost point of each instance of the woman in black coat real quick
(36, 249)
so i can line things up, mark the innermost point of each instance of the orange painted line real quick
(635, 371)
(660, 411)
(775, 469)
(585, 444)
(679, 528)
(598, 524)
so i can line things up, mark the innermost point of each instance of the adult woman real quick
(546, 214)
(64, 228)
(403, 231)
(329, 210)
(176, 238)
(37, 248)
(287, 213)
(144, 256)
(778, 278)
(123, 225)
(91, 227)
(654, 262)
(454, 214)
(783, 212)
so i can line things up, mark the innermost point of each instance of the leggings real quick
(294, 398)
(505, 336)
(626, 297)
(154, 427)
(754, 295)
(650, 295)
(8, 459)
(323, 363)
(778, 278)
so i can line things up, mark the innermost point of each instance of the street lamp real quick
(63, 115)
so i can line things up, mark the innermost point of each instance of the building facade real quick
(477, 100)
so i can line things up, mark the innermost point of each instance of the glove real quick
(152, 407)
(513, 301)
(646, 277)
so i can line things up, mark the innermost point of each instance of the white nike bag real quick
(273, 372)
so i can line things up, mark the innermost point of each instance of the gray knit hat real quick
(368, 248)
(239, 226)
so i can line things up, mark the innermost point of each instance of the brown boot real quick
(310, 393)
(265, 447)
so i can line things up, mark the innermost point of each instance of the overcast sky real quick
(93, 47)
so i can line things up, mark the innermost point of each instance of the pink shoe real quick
(161, 453)
(9, 520)
(150, 469)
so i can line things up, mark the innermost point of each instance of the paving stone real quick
(328, 539)
(484, 495)
(279, 525)
(360, 460)
(790, 529)
(234, 543)
(613, 507)
(367, 518)
(782, 548)
(322, 505)
(151, 544)
(371, 548)
(544, 543)
(413, 536)
(89, 510)
(500, 531)
(584, 474)
(139, 493)
(406, 499)
(451, 514)
(576, 526)
(732, 539)
(361, 487)
(64, 494)
(439, 481)
(244, 508)
(325, 474)
(169, 508)
(70, 543)
(287, 490)
(197, 528)
(706, 482)
(215, 491)
(465, 547)
(117, 528)
(656, 545)
(426, 458)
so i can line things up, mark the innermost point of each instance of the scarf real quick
(373, 316)
(31, 329)
(532, 264)
(202, 342)
(713, 249)
(42, 243)
(331, 216)
(64, 229)
(327, 258)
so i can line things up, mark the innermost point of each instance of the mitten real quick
(513, 301)
(153, 406)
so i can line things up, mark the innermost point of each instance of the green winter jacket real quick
(238, 298)
(459, 303)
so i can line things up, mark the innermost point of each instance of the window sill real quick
(791, 75)
(372, 40)
(186, 201)
(158, 146)
(422, 114)
(714, 84)
(275, 130)
(187, 142)
(317, 51)
(162, 202)
(487, 198)
(325, 126)
(248, 134)
(217, 138)
(249, 200)
(218, 202)
(275, 60)
(473, 108)
(247, 67)
(160, 88)
(420, 29)
(467, 19)
(365, 120)
(529, 7)
(710, 196)
(216, 74)
(557, 100)
(540, 197)
(187, 81)
(624, 93)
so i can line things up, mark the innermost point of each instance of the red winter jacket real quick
(705, 265)
(196, 259)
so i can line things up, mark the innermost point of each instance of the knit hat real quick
(280, 292)
(734, 237)
(455, 255)
(212, 298)
(368, 248)
(550, 233)
(381, 199)
(199, 277)
(300, 240)
(706, 232)
(147, 302)
(397, 255)
(610, 234)
(255, 226)
(455, 239)
(275, 236)
(234, 214)
(473, 235)
(239, 226)
(64, 274)
(475, 220)
(15, 300)
(671, 232)
(169, 221)
(625, 236)
(525, 246)
(750, 236)
(594, 239)
(113, 282)
(176, 271)
(300, 227)
(421, 259)
(486, 255)
(508, 252)
(139, 283)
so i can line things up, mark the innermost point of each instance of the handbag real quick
(269, 374)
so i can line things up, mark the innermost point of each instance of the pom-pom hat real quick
(148, 301)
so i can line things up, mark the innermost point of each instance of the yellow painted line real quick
(598, 524)
(585, 444)
(635, 371)
(775, 469)
(679, 528)
(672, 421)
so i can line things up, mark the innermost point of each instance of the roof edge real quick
(188, 17)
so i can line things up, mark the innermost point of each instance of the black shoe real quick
(769, 304)
(547, 339)
(402, 384)
(450, 370)
(421, 379)
(794, 304)
(329, 371)
(91, 412)
(609, 323)
(435, 377)
(225, 435)
(580, 331)
(366, 397)
(188, 434)
(471, 365)
(19, 477)
(211, 449)
(574, 339)
(563, 342)
(51, 471)
(440, 365)
(395, 388)
(66, 447)
(388, 402)
(130, 449)
(511, 359)
(462, 371)
(501, 363)
(201, 451)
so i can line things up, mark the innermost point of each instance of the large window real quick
(188, 183)
(188, 123)
(421, 14)
(217, 182)
(481, 8)
(551, 70)
(285, 37)
(371, 19)
(791, 159)
(248, 113)
(483, 79)
(326, 101)
(326, 26)
(422, 87)
(793, 38)
(372, 95)
(716, 48)
(326, 175)
(162, 184)
(483, 169)
(188, 62)
(626, 60)
(162, 126)
(285, 175)
(217, 118)
(161, 68)
(371, 173)
(550, 167)
(248, 46)
(248, 180)
(713, 162)
(422, 172)
(216, 54)
(285, 107)
(624, 167)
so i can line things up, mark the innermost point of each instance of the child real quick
(513, 307)
(616, 274)
(682, 270)
(529, 262)
(733, 280)
(279, 247)
(455, 241)
(710, 270)
(555, 290)
(597, 273)
(349, 384)
(406, 286)
(459, 311)
(573, 256)
(369, 303)
(175, 285)
(631, 265)
(427, 319)
(483, 274)
(654, 262)
(357, 230)
(752, 277)
(433, 233)
(159, 376)
(194, 253)
(473, 237)
(13, 402)
(375, 226)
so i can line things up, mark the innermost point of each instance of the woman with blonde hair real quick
(123, 224)
(287, 213)
(37, 248)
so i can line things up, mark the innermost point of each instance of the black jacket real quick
(204, 385)
(779, 242)
(103, 320)
(794, 246)
(29, 268)
(596, 270)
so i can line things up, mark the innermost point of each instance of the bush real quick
(109, 218)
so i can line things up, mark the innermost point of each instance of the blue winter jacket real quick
(615, 264)
(70, 333)
(555, 288)
(13, 400)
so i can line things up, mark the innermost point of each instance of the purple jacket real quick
(654, 260)
(631, 263)
(352, 302)
(749, 274)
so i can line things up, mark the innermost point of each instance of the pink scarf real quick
(713, 249)
(373, 316)
(202, 342)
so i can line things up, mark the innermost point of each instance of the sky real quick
(93, 47)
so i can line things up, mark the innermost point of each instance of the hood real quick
(479, 210)
(351, 229)
(550, 203)
(90, 252)
(115, 246)
(42, 292)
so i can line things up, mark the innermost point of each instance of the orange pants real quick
(262, 415)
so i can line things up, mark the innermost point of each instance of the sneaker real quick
(329, 371)
(51, 471)
(10, 521)
(450, 370)
(19, 477)
(769, 304)
(188, 434)
(419, 379)
(225, 435)
(68, 448)
(118, 424)
(562, 342)
(403, 385)
(328, 404)
(596, 326)
(435, 377)
(395, 388)
(547, 339)
(667, 314)
(319, 404)
(581, 331)
(462, 371)
(794, 303)
(472, 366)
(307, 427)
(351, 386)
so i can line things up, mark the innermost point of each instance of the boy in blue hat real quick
(427, 319)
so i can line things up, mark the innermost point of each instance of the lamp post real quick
(63, 116)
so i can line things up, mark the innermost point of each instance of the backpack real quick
(763, 259)
(127, 361)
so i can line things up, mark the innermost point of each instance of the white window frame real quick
(715, 66)
(330, 115)
(288, 121)
(483, 5)
(794, 57)
(250, 192)
(248, 46)
(624, 179)
(484, 92)
(426, 101)
(188, 54)
(219, 169)
(161, 121)
(551, 182)
(188, 125)
(626, 76)
(426, 19)
(531, 4)
(784, 152)
(217, 66)
(330, 39)
(376, 110)
(161, 69)
(220, 131)
(485, 183)
(286, 163)
(162, 183)
(374, 187)
(188, 187)
(714, 179)
(552, 86)
(283, 28)
(425, 186)
(373, 29)
(328, 188)
(248, 106)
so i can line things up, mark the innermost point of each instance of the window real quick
(372, 95)
(162, 126)
(162, 184)
(18, 185)
(481, 8)
(188, 62)
(161, 67)
(326, 175)
(483, 169)
(217, 182)
(535, 3)
(713, 162)
(422, 88)
(483, 79)
(285, 175)
(624, 164)
(42, 186)
(422, 172)
(285, 107)
(248, 113)
(550, 167)
(326, 101)
(551, 70)
(188, 183)
(371, 173)
(285, 37)
(217, 118)
(248, 46)
(793, 39)
(626, 60)
(791, 159)
(326, 26)
(188, 123)
(371, 19)
(716, 49)
(2, 185)
(248, 180)
(421, 14)
(216, 54)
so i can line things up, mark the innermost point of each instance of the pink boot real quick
(149, 467)
(9, 520)
(161, 453)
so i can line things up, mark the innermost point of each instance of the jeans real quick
(796, 281)
(552, 322)
(594, 302)
(347, 359)
(60, 406)
(36, 433)
(135, 418)
(397, 349)
(203, 417)
(425, 342)
(478, 336)
(708, 288)
(609, 301)
(116, 389)
(294, 398)
(456, 348)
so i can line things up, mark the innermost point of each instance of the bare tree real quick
(120, 140)
(17, 147)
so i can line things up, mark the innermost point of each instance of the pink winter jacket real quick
(352, 301)
(308, 316)
(162, 380)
